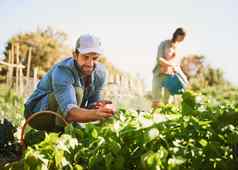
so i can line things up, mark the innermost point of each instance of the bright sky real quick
(131, 30)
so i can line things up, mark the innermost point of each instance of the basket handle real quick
(28, 120)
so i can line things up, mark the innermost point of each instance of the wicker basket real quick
(30, 118)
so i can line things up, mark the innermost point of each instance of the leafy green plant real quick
(192, 136)
(11, 106)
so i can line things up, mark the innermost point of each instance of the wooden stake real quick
(35, 76)
(17, 69)
(28, 67)
(12, 62)
(9, 70)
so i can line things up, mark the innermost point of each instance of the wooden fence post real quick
(12, 62)
(35, 76)
(21, 79)
(9, 71)
(28, 67)
(17, 69)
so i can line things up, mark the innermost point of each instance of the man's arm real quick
(62, 83)
(85, 115)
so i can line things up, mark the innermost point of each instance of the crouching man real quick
(72, 88)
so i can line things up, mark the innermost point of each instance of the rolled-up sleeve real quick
(62, 84)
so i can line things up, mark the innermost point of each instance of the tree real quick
(201, 75)
(48, 47)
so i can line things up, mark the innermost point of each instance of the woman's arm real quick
(168, 55)
(165, 62)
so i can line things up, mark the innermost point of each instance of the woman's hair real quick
(177, 32)
(76, 51)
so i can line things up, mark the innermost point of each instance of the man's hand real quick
(104, 113)
(106, 106)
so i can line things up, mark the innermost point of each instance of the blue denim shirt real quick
(62, 80)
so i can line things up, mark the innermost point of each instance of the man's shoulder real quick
(67, 62)
(64, 68)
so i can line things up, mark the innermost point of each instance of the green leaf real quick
(94, 133)
(78, 167)
(59, 157)
(176, 160)
(203, 142)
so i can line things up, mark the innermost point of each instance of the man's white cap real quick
(88, 43)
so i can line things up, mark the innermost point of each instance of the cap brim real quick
(90, 50)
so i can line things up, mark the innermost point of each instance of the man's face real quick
(87, 62)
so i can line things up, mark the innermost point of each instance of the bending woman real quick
(166, 63)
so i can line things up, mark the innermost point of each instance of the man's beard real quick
(87, 70)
